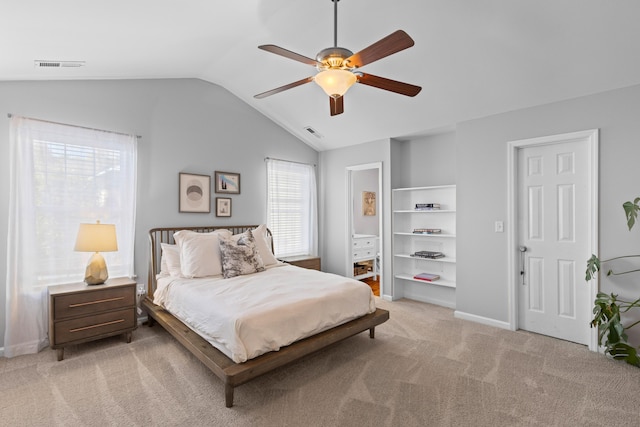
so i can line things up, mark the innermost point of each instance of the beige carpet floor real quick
(425, 368)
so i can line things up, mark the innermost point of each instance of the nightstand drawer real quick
(78, 304)
(94, 326)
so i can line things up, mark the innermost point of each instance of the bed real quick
(234, 367)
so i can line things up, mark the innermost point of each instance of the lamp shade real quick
(96, 238)
(335, 82)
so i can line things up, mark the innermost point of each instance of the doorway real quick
(364, 224)
(553, 231)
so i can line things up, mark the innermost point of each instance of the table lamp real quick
(96, 238)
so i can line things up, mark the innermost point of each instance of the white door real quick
(555, 227)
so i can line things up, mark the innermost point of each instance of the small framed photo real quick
(195, 193)
(223, 206)
(227, 182)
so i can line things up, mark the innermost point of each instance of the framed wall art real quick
(223, 206)
(369, 203)
(195, 193)
(227, 182)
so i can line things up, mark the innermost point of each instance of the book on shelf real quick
(427, 231)
(427, 206)
(427, 277)
(428, 254)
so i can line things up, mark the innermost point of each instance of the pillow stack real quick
(217, 253)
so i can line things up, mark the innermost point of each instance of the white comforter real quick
(247, 316)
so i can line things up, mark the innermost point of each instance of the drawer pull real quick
(100, 301)
(113, 322)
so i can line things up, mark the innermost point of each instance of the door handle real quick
(522, 250)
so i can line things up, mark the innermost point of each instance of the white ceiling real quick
(473, 58)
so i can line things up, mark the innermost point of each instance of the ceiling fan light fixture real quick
(335, 82)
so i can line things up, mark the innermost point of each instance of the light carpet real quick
(424, 368)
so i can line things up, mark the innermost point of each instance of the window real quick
(61, 176)
(291, 207)
(79, 175)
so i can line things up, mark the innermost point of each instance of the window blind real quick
(291, 207)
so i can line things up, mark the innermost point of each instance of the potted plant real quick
(608, 309)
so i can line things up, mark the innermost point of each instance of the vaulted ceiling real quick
(473, 58)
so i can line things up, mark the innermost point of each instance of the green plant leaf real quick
(625, 352)
(631, 211)
(593, 265)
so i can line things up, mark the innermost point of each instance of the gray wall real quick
(426, 160)
(333, 202)
(482, 282)
(186, 125)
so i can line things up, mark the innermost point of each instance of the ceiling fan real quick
(338, 67)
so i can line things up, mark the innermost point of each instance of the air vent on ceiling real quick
(313, 132)
(39, 63)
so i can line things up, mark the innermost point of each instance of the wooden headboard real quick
(165, 235)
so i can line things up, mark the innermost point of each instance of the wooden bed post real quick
(228, 395)
(372, 333)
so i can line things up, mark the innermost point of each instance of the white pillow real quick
(200, 252)
(240, 255)
(263, 244)
(170, 261)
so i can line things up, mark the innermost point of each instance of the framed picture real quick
(223, 206)
(369, 203)
(195, 193)
(227, 182)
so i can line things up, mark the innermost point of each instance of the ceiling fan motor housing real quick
(333, 57)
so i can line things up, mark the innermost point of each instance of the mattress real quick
(246, 316)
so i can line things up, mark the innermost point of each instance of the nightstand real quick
(304, 261)
(80, 313)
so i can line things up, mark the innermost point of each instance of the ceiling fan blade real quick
(288, 54)
(390, 85)
(283, 88)
(336, 105)
(394, 42)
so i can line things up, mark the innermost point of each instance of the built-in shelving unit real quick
(405, 243)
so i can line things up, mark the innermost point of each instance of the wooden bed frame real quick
(231, 373)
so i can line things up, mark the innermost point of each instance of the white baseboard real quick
(483, 320)
(1, 351)
(430, 300)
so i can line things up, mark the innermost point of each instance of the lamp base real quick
(96, 272)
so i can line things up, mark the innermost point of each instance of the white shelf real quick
(444, 235)
(435, 187)
(406, 219)
(409, 277)
(435, 211)
(417, 258)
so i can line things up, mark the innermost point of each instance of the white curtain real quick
(61, 176)
(292, 207)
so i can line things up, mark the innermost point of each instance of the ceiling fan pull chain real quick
(335, 22)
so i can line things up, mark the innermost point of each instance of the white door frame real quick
(592, 137)
(349, 222)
